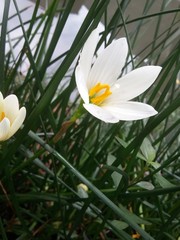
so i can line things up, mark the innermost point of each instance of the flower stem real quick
(65, 125)
(78, 113)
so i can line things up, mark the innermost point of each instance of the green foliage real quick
(130, 168)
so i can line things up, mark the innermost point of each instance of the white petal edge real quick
(1, 96)
(100, 113)
(129, 111)
(4, 129)
(11, 107)
(17, 122)
(1, 103)
(134, 83)
(87, 53)
(81, 84)
(109, 63)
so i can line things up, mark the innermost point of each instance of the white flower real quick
(104, 94)
(11, 117)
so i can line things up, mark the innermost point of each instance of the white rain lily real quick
(11, 117)
(105, 95)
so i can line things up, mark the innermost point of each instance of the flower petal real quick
(11, 107)
(1, 97)
(1, 103)
(17, 122)
(129, 111)
(109, 63)
(87, 53)
(134, 83)
(4, 129)
(81, 84)
(101, 113)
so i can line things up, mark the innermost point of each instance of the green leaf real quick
(163, 182)
(3, 42)
(148, 151)
(133, 216)
(116, 176)
(118, 224)
(145, 185)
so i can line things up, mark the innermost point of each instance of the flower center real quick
(2, 116)
(99, 93)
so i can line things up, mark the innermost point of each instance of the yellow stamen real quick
(2, 116)
(99, 93)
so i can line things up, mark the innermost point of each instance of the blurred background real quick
(133, 10)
